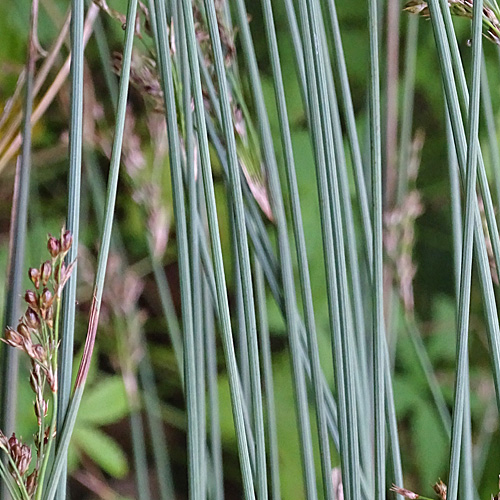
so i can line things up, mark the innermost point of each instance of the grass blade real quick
(73, 218)
(71, 413)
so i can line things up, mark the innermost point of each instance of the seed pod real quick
(49, 316)
(54, 246)
(23, 459)
(31, 319)
(13, 338)
(41, 409)
(52, 381)
(66, 241)
(38, 353)
(22, 329)
(45, 298)
(31, 299)
(13, 441)
(31, 483)
(45, 271)
(34, 275)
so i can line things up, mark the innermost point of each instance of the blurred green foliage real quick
(424, 445)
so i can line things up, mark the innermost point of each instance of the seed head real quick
(405, 493)
(31, 483)
(49, 316)
(31, 319)
(440, 488)
(21, 454)
(31, 299)
(13, 338)
(38, 353)
(66, 241)
(35, 378)
(22, 329)
(46, 298)
(41, 409)
(34, 275)
(53, 246)
(45, 271)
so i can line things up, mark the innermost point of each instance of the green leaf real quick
(103, 450)
(431, 448)
(104, 403)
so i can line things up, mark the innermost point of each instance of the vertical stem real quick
(377, 276)
(74, 180)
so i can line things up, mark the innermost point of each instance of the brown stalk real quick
(83, 370)
(39, 81)
(51, 92)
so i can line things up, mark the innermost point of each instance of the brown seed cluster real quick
(463, 8)
(33, 334)
(36, 335)
(19, 461)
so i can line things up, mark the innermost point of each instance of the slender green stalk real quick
(460, 137)
(243, 252)
(165, 67)
(168, 309)
(139, 453)
(220, 283)
(493, 328)
(267, 369)
(377, 276)
(491, 129)
(285, 261)
(352, 134)
(9, 359)
(155, 424)
(466, 261)
(355, 304)
(18, 230)
(305, 283)
(150, 396)
(408, 99)
(71, 413)
(196, 286)
(333, 248)
(73, 217)
(213, 397)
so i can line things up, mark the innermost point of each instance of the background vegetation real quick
(136, 374)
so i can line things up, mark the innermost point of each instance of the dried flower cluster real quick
(463, 8)
(37, 336)
(439, 488)
(145, 78)
(399, 234)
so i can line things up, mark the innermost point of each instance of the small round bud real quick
(31, 483)
(54, 246)
(45, 271)
(49, 316)
(13, 338)
(23, 459)
(13, 441)
(45, 298)
(30, 298)
(34, 275)
(66, 241)
(22, 329)
(35, 378)
(31, 319)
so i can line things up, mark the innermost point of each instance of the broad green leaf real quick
(103, 450)
(104, 403)
(431, 448)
